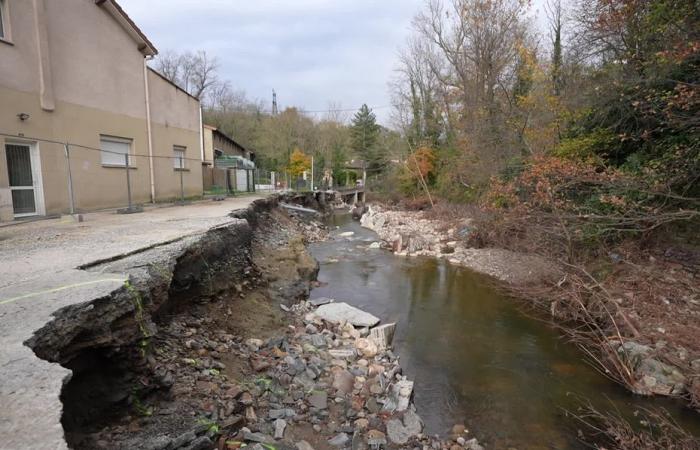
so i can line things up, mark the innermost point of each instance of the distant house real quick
(217, 143)
(76, 71)
(227, 165)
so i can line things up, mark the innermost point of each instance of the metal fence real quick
(47, 177)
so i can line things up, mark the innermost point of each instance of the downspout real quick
(201, 133)
(149, 131)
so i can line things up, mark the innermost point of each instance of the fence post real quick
(131, 208)
(128, 180)
(182, 184)
(71, 198)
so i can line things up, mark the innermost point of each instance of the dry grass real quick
(656, 430)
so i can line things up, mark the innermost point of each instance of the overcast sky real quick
(312, 52)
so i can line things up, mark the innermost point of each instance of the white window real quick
(114, 149)
(179, 157)
(3, 27)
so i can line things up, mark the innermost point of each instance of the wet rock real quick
(183, 439)
(342, 353)
(254, 344)
(375, 245)
(250, 415)
(280, 426)
(343, 381)
(473, 444)
(399, 396)
(256, 437)
(320, 301)
(318, 399)
(402, 431)
(339, 440)
(383, 335)
(660, 378)
(653, 376)
(376, 439)
(366, 347)
(201, 443)
(342, 312)
(303, 445)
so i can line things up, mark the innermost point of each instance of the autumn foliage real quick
(299, 162)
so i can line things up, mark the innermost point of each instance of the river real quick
(475, 357)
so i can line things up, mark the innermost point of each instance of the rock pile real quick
(409, 233)
(340, 382)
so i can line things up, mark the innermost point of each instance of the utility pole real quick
(312, 173)
(275, 111)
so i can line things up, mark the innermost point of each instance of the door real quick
(241, 180)
(20, 172)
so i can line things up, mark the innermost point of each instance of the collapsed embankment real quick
(209, 344)
(112, 344)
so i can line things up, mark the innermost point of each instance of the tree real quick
(195, 72)
(554, 13)
(299, 162)
(364, 134)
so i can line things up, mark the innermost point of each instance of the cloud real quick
(311, 52)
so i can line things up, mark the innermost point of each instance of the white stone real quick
(383, 335)
(342, 312)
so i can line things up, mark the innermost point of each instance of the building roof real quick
(226, 137)
(171, 82)
(145, 46)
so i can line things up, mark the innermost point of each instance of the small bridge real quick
(323, 199)
(352, 195)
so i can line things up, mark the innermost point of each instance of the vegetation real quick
(331, 138)
(585, 150)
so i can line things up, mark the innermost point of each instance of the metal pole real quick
(71, 198)
(312, 173)
(182, 184)
(128, 180)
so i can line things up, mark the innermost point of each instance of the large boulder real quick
(402, 431)
(342, 312)
(651, 375)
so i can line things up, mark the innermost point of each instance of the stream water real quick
(476, 359)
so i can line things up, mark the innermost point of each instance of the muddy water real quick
(475, 357)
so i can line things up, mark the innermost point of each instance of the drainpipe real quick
(149, 131)
(201, 133)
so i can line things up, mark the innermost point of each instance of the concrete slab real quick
(342, 312)
(40, 274)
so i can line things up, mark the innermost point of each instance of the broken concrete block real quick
(383, 335)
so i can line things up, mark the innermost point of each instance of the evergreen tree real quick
(364, 134)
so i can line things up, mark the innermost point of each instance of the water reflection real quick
(475, 358)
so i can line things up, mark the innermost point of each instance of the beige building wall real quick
(84, 81)
(208, 140)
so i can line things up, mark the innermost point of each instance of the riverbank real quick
(651, 353)
(208, 342)
(412, 233)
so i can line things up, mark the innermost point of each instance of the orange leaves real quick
(299, 162)
(423, 161)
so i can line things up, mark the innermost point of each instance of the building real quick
(217, 143)
(227, 165)
(75, 71)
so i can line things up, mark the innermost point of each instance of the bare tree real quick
(196, 73)
(553, 10)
